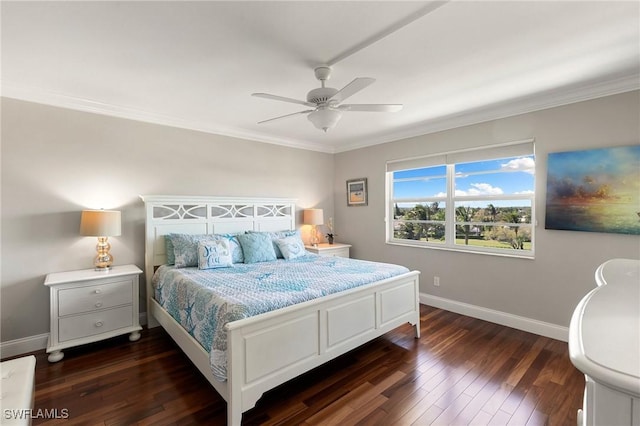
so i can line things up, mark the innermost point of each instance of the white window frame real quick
(450, 159)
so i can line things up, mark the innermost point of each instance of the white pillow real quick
(214, 254)
(291, 247)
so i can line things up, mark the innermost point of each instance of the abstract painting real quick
(595, 190)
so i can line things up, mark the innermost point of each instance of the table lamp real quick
(313, 217)
(102, 224)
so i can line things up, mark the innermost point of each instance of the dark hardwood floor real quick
(461, 371)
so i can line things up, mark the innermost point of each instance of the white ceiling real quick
(195, 64)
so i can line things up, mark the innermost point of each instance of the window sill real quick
(528, 256)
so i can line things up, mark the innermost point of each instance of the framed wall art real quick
(596, 190)
(357, 192)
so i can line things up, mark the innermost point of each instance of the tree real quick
(464, 214)
(514, 216)
(492, 211)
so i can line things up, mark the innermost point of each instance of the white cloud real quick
(523, 164)
(480, 189)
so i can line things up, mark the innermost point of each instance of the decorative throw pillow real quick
(234, 246)
(185, 248)
(214, 254)
(275, 236)
(291, 247)
(168, 247)
(257, 247)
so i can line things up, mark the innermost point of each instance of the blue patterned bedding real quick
(204, 301)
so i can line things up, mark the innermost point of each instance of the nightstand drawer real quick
(79, 326)
(330, 250)
(94, 297)
(337, 252)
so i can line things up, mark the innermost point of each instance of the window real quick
(477, 200)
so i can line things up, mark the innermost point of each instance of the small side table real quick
(325, 249)
(88, 306)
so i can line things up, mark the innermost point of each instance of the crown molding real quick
(40, 96)
(536, 102)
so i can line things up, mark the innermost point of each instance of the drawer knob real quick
(98, 304)
(97, 291)
(99, 324)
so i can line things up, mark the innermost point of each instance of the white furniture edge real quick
(255, 364)
(18, 390)
(604, 374)
(530, 325)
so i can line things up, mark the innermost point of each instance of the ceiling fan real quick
(326, 101)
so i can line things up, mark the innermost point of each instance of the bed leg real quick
(234, 415)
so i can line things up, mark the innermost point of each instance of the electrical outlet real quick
(436, 281)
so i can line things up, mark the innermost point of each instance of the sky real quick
(493, 177)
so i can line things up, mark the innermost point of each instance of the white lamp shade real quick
(100, 223)
(313, 217)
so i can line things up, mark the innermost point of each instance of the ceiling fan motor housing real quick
(322, 95)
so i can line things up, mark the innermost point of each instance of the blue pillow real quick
(257, 247)
(168, 247)
(185, 248)
(214, 254)
(275, 236)
(291, 247)
(234, 246)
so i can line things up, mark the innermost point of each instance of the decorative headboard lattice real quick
(211, 215)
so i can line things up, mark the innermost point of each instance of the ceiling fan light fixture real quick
(325, 119)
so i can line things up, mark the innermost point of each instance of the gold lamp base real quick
(314, 236)
(103, 260)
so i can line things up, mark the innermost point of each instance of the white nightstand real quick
(325, 249)
(89, 305)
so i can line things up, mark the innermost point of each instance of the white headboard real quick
(167, 214)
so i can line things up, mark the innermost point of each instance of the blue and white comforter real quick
(204, 301)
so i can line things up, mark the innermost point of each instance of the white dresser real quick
(326, 249)
(604, 343)
(90, 305)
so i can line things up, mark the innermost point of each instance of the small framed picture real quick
(357, 192)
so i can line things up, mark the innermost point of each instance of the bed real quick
(270, 348)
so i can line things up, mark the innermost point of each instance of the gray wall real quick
(547, 288)
(57, 162)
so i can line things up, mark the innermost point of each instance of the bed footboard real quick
(267, 350)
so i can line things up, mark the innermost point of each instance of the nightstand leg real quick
(134, 336)
(55, 356)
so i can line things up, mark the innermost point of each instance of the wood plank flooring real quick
(462, 371)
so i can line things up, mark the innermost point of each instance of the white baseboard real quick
(36, 343)
(530, 325)
(23, 346)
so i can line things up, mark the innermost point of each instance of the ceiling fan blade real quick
(285, 116)
(283, 99)
(352, 88)
(371, 107)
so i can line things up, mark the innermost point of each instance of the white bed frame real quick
(269, 349)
